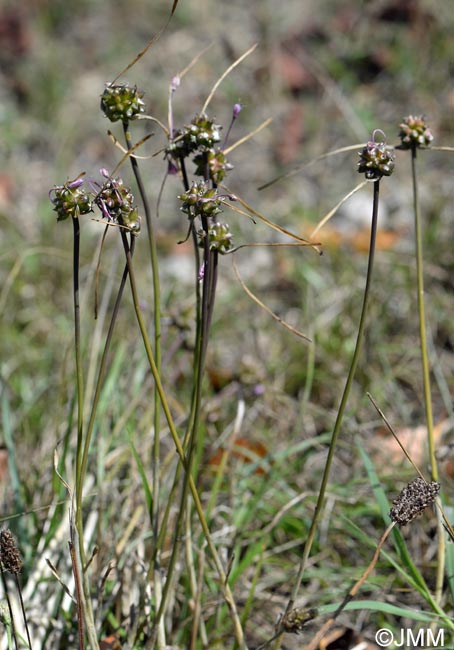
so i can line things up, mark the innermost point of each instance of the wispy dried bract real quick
(413, 500)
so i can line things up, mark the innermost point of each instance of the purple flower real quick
(237, 108)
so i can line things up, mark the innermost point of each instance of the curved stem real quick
(343, 404)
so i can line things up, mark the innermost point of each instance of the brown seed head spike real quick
(413, 500)
(9, 553)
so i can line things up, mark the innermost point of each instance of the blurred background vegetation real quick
(328, 73)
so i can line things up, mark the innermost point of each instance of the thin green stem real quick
(199, 321)
(189, 442)
(343, 404)
(426, 374)
(173, 432)
(193, 418)
(156, 291)
(205, 305)
(158, 356)
(422, 321)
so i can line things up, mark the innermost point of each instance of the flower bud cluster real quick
(219, 237)
(121, 102)
(200, 137)
(202, 134)
(116, 203)
(205, 202)
(414, 132)
(70, 200)
(376, 160)
(201, 200)
(213, 164)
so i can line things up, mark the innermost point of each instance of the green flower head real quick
(70, 199)
(121, 102)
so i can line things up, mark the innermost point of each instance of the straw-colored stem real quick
(343, 404)
(426, 374)
(157, 315)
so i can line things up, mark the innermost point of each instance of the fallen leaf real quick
(244, 450)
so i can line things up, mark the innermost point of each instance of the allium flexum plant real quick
(199, 577)
(197, 144)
